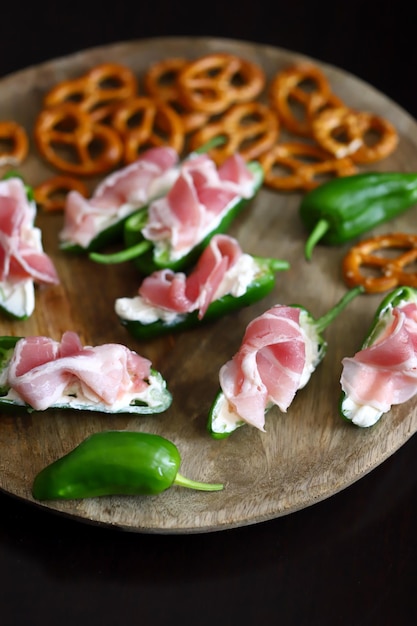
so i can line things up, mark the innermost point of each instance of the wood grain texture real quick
(304, 456)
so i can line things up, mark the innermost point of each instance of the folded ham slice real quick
(385, 373)
(268, 367)
(21, 253)
(176, 292)
(196, 202)
(42, 371)
(121, 193)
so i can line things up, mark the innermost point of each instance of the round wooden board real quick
(304, 456)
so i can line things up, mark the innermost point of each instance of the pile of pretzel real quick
(103, 119)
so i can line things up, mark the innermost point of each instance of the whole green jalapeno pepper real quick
(115, 462)
(148, 258)
(343, 208)
(382, 372)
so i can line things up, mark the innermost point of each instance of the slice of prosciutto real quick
(43, 372)
(384, 373)
(210, 280)
(272, 363)
(196, 202)
(21, 254)
(118, 195)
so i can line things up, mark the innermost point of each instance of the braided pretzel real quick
(160, 81)
(303, 164)
(342, 132)
(384, 272)
(249, 128)
(97, 91)
(14, 144)
(51, 193)
(212, 83)
(290, 92)
(146, 122)
(66, 137)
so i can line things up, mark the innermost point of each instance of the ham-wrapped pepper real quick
(224, 279)
(383, 372)
(279, 352)
(39, 373)
(173, 230)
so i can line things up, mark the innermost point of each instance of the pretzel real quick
(51, 193)
(97, 91)
(14, 144)
(290, 92)
(145, 122)
(342, 131)
(212, 83)
(384, 272)
(66, 137)
(160, 81)
(249, 128)
(304, 164)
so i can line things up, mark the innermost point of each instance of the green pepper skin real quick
(258, 289)
(142, 252)
(115, 463)
(344, 208)
(105, 237)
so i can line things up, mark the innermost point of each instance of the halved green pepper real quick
(148, 258)
(115, 463)
(223, 420)
(344, 208)
(367, 415)
(156, 399)
(259, 288)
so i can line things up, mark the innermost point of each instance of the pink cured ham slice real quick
(21, 253)
(385, 373)
(196, 200)
(41, 369)
(179, 293)
(268, 366)
(134, 185)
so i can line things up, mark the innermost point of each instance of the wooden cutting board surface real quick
(305, 455)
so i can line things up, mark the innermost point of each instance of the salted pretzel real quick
(66, 137)
(299, 165)
(51, 193)
(97, 91)
(365, 264)
(212, 83)
(343, 131)
(146, 122)
(160, 81)
(14, 143)
(249, 128)
(290, 92)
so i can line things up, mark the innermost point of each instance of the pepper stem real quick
(316, 234)
(128, 254)
(322, 322)
(182, 481)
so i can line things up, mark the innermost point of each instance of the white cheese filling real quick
(360, 414)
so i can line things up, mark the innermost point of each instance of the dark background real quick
(350, 560)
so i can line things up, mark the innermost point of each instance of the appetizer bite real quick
(39, 373)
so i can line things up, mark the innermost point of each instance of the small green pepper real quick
(343, 208)
(259, 288)
(155, 399)
(365, 415)
(223, 420)
(147, 258)
(115, 462)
